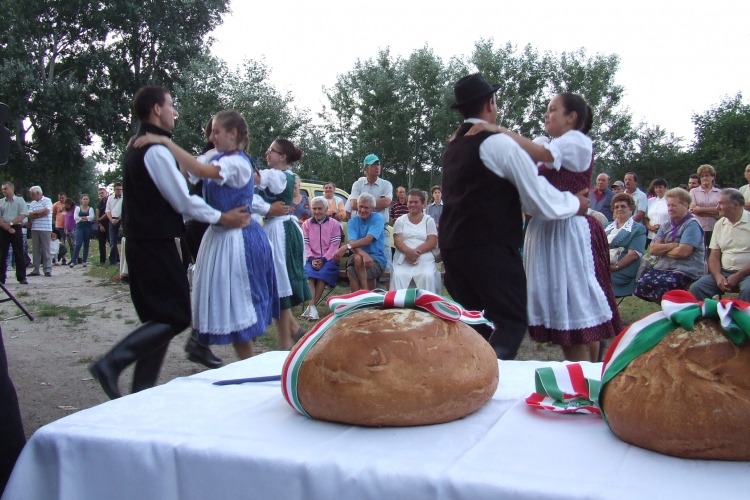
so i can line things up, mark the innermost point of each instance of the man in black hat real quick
(490, 173)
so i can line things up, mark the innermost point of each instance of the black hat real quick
(471, 88)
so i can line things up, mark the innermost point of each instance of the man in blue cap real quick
(380, 189)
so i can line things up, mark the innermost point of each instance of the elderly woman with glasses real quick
(322, 235)
(627, 241)
(678, 248)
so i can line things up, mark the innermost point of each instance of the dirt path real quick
(77, 319)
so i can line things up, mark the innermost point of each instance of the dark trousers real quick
(102, 236)
(194, 232)
(490, 278)
(114, 238)
(12, 438)
(15, 241)
(158, 283)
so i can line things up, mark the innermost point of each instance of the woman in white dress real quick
(656, 213)
(415, 236)
(570, 297)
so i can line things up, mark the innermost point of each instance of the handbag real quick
(615, 254)
(648, 261)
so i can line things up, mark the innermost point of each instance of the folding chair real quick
(329, 289)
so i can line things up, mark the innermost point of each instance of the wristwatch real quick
(348, 246)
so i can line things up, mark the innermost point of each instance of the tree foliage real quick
(210, 86)
(722, 139)
(69, 70)
(396, 108)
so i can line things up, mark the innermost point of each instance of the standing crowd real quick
(57, 230)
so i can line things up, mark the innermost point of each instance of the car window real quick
(303, 192)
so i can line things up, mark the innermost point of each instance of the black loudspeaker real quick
(4, 134)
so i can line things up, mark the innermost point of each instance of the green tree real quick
(43, 74)
(656, 154)
(209, 86)
(396, 108)
(722, 139)
(530, 80)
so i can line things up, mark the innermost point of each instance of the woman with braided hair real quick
(571, 302)
(284, 233)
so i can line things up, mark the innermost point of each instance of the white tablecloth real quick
(189, 439)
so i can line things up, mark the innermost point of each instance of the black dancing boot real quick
(147, 369)
(200, 353)
(141, 342)
(506, 342)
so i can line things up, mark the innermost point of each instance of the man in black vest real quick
(486, 179)
(152, 219)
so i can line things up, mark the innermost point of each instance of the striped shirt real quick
(42, 223)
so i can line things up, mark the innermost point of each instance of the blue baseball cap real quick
(370, 159)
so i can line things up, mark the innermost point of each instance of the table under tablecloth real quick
(189, 439)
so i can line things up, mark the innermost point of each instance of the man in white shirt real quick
(381, 190)
(641, 201)
(40, 215)
(490, 174)
(114, 212)
(152, 219)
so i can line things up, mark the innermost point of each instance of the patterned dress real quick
(567, 263)
(286, 238)
(235, 296)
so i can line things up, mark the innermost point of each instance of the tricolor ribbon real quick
(561, 389)
(343, 305)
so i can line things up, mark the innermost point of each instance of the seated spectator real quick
(679, 249)
(627, 241)
(334, 206)
(415, 236)
(435, 209)
(656, 213)
(300, 207)
(322, 235)
(366, 241)
(601, 198)
(745, 190)
(399, 207)
(729, 262)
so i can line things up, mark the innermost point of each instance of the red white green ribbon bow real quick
(679, 309)
(564, 389)
(342, 305)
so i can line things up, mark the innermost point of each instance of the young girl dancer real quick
(234, 286)
(277, 184)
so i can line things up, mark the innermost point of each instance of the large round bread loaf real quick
(397, 367)
(688, 397)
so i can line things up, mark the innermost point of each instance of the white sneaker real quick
(306, 313)
(313, 313)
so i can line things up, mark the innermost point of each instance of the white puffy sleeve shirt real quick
(275, 181)
(571, 150)
(163, 170)
(505, 158)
